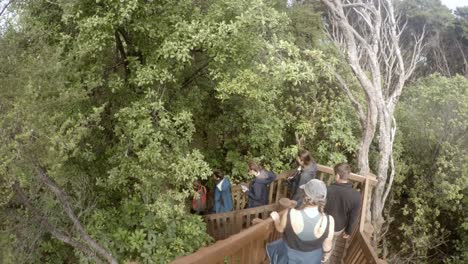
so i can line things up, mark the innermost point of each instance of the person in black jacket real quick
(306, 171)
(343, 203)
(258, 190)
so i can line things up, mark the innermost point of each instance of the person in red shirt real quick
(199, 200)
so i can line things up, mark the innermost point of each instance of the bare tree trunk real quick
(367, 34)
(368, 133)
(465, 62)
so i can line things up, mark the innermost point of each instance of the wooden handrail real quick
(223, 225)
(248, 246)
(360, 249)
(243, 247)
(278, 190)
(353, 176)
(365, 195)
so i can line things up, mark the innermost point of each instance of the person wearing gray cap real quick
(307, 232)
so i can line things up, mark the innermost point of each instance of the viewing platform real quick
(241, 235)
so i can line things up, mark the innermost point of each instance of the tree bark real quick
(37, 214)
(64, 200)
(367, 34)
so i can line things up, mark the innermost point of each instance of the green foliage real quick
(445, 35)
(125, 103)
(431, 186)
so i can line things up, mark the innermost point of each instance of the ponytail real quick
(307, 201)
(321, 206)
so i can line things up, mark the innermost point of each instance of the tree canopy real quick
(109, 110)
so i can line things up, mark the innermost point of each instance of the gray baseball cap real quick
(315, 189)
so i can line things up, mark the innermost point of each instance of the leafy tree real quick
(429, 223)
(111, 109)
(446, 42)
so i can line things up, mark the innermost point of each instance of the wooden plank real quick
(225, 247)
(232, 259)
(353, 177)
(352, 251)
(357, 250)
(368, 250)
(279, 184)
(246, 253)
(354, 260)
(364, 206)
(361, 259)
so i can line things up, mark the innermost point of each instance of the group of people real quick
(257, 191)
(317, 215)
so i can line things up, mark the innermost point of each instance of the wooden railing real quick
(360, 250)
(248, 246)
(276, 190)
(223, 225)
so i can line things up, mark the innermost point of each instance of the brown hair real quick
(307, 201)
(255, 166)
(305, 156)
(342, 169)
(218, 174)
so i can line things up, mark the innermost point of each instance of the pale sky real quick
(454, 3)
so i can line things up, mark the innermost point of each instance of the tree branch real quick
(392, 163)
(357, 106)
(64, 200)
(6, 6)
(51, 228)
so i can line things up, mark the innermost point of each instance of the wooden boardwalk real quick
(241, 235)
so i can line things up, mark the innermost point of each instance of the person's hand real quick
(275, 216)
(345, 236)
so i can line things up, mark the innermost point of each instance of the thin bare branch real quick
(357, 106)
(64, 200)
(5, 7)
(50, 227)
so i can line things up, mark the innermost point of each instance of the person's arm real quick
(295, 174)
(280, 221)
(353, 217)
(271, 176)
(226, 185)
(328, 242)
(255, 194)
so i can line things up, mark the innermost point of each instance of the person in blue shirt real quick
(258, 190)
(222, 193)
